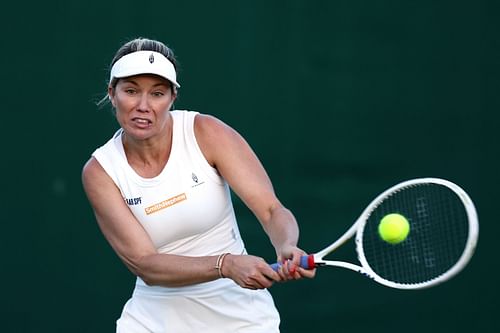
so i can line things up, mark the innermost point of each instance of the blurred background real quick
(340, 99)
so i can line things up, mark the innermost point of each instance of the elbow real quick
(151, 279)
(139, 268)
(152, 269)
(147, 279)
(151, 275)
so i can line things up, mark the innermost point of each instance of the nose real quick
(143, 105)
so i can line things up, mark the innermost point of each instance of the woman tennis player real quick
(160, 192)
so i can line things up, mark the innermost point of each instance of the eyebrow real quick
(135, 83)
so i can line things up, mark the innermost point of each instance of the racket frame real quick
(358, 227)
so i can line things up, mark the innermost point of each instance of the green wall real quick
(340, 99)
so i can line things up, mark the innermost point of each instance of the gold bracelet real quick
(218, 264)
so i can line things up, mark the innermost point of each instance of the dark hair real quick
(141, 44)
(144, 44)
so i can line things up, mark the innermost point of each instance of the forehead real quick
(145, 79)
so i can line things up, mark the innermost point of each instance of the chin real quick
(140, 133)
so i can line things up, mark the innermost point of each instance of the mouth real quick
(142, 122)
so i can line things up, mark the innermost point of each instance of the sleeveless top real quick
(187, 208)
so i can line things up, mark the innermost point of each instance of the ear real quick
(111, 96)
(174, 97)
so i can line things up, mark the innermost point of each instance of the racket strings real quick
(437, 238)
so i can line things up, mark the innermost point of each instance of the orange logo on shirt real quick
(165, 204)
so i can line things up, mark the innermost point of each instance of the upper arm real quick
(227, 151)
(120, 227)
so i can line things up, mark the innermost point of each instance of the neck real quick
(148, 157)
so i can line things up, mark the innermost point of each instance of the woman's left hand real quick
(289, 258)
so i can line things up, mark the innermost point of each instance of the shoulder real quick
(206, 122)
(215, 138)
(93, 173)
(208, 127)
(91, 169)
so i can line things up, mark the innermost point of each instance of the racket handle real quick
(306, 262)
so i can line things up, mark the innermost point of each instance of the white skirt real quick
(219, 306)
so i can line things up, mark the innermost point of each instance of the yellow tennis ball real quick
(394, 228)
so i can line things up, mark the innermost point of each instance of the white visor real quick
(144, 62)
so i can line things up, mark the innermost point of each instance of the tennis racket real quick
(442, 238)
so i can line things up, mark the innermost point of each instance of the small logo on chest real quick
(196, 181)
(133, 201)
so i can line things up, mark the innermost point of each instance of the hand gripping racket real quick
(443, 235)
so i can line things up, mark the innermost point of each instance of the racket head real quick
(443, 234)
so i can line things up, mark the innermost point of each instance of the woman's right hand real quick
(249, 271)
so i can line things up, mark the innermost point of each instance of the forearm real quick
(176, 271)
(282, 229)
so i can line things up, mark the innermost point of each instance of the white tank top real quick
(187, 208)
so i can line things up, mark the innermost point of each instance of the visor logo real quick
(151, 58)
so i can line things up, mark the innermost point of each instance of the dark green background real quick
(340, 99)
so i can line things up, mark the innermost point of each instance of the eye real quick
(158, 93)
(130, 91)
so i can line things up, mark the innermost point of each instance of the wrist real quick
(219, 264)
